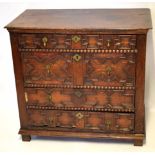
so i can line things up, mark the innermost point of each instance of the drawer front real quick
(84, 121)
(76, 41)
(81, 99)
(100, 69)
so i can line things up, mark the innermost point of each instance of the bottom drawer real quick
(80, 120)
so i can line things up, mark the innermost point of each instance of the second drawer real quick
(98, 69)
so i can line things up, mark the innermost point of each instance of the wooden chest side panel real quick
(19, 79)
(140, 81)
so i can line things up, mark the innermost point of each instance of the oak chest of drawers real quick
(80, 73)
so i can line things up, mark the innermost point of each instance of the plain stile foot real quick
(138, 142)
(26, 138)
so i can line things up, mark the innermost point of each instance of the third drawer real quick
(81, 99)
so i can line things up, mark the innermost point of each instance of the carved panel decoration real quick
(81, 98)
(103, 122)
(65, 119)
(124, 42)
(110, 122)
(77, 41)
(51, 68)
(110, 69)
(38, 118)
(41, 118)
(124, 122)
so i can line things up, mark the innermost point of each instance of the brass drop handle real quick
(45, 40)
(48, 68)
(50, 119)
(77, 57)
(108, 70)
(108, 43)
(108, 123)
(50, 98)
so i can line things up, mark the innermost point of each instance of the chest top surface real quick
(117, 19)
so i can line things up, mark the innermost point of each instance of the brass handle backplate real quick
(108, 123)
(76, 39)
(77, 57)
(48, 68)
(79, 115)
(109, 70)
(45, 40)
(50, 119)
(50, 98)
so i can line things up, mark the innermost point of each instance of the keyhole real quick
(44, 40)
(76, 57)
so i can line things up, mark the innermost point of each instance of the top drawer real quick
(71, 41)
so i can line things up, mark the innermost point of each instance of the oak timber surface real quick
(118, 19)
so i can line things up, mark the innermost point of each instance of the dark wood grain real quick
(118, 19)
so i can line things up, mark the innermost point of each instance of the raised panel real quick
(51, 68)
(110, 122)
(38, 118)
(110, 69)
